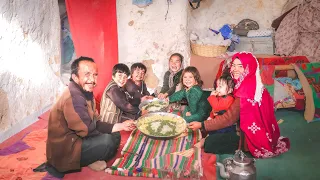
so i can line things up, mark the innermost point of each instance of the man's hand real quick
(128, 125)
(162, 96)
(194, 125)
(144, 98)
(188, 113)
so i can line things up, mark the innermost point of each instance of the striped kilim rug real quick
(146, 157)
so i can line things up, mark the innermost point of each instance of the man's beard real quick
(93, 84)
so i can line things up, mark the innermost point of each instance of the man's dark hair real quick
(138, 65)
(75, 65)
(120, 68)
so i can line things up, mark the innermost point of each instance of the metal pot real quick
(239, 167)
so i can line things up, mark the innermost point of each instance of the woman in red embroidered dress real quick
(254, 106)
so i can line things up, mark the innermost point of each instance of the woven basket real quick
(208, 50)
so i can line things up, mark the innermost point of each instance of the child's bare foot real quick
(98, 165)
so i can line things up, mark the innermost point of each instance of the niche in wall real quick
(67, 48)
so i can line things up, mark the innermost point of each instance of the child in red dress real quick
(221, 98)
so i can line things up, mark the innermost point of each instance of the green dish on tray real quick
(161, 125)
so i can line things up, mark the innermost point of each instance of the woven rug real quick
(19, 165)
(146, 157)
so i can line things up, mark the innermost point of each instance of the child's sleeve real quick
(177, 96)
(229, 102)
(211, 115)
(202, 113)
(194, 98)
(172, 89)
(220, 104)
(224, 103)
(212, 100)
(196, 109)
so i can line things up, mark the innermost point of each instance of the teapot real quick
(240, 167)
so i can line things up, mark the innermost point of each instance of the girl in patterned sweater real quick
(198, 108)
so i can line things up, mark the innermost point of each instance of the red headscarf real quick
(257, 119)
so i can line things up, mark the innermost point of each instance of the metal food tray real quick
(146, 102)
(141, 119)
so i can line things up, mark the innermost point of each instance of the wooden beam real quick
(283, 67)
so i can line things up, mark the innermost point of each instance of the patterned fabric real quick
(278, 60)
(267, 74)
(143, 156)
(257, 119)
(15, 148)
(312, 73)
(298, 33)
(281, 95)
(282, 61)
(115, 105)
(109, 112)
(19, 165)
(287, 34)
(174, 77)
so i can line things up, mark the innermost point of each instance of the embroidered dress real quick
(257, 119)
